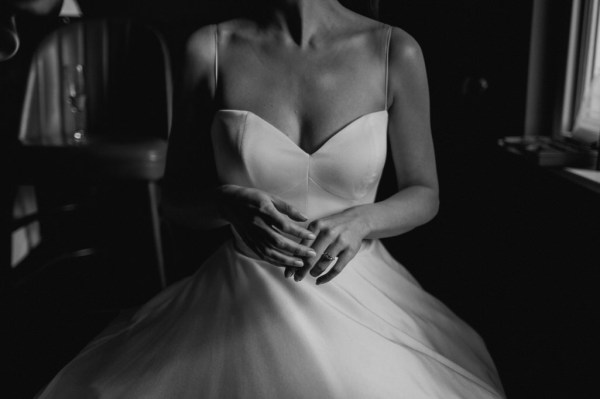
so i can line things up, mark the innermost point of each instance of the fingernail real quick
(298, 263)
(311, 236)
(312, 254)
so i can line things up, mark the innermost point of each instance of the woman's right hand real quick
(260, 218)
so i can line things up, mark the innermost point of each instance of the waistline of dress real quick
(240, 246)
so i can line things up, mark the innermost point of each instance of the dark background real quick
(514, 250)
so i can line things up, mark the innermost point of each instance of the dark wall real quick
(514, 249)
(465, 41)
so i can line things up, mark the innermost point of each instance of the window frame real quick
(581, 52)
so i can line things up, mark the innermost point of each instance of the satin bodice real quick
(343, 172)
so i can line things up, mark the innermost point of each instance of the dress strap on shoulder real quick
(387, 61)
(216, 56)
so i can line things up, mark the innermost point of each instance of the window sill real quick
(568, 164)
(587, 178)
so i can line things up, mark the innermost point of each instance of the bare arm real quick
(409, 131)
(190, 177)
(194, 197)
(416, 201)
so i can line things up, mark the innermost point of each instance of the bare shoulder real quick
(239, 28)
(201, 48)
(407, 71)
(405, 51)
(200, 53)
(407, 82)
(201, 37)
(360, 26)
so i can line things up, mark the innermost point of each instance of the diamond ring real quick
(327, 257)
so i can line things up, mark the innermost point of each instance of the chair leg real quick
(7, 222)
(156, 234)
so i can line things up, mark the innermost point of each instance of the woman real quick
(299, 102)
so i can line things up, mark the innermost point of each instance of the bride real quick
(289, 113)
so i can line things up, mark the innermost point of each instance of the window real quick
(581, 105)
(563, 87)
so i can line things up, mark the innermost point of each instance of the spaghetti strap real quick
(387, 62)
(216, 56)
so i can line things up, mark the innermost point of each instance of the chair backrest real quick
(127, 76)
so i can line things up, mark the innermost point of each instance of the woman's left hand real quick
(338, 236)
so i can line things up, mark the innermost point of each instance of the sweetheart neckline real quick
(320, 147)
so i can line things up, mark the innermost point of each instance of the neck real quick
(301, 20)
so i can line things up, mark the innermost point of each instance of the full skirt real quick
(238, 329)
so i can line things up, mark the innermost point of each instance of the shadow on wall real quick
(514, 249)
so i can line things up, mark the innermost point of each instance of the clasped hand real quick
(261, 219)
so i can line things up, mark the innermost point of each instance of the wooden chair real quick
(97, 111)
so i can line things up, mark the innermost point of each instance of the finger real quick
(325, 238)
(276, 240)
(280, 242)
(341, 263)
(328, 257)
(321, 243)
(308, 243)
(285, 225)
(289, 272)
(283, 208)
(288, 210)
(270, 254)
(280, 259)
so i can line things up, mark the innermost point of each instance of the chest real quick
(307, 95)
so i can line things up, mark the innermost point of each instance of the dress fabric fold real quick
(238, 329)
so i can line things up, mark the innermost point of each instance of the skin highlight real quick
(292, 44)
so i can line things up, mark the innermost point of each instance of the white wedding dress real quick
(238, 329)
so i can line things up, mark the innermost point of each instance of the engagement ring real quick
(327, 257)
